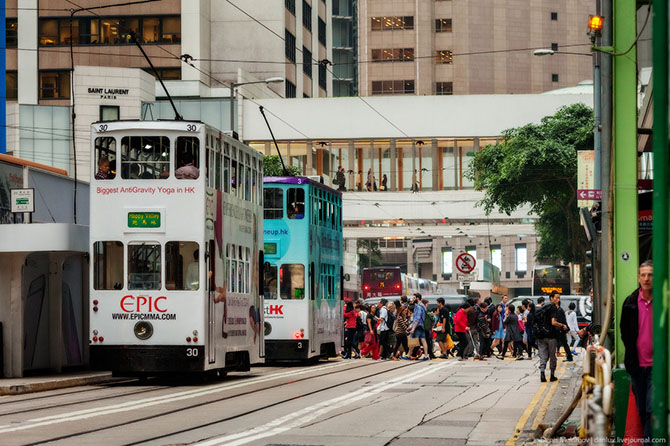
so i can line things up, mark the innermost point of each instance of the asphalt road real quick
(336, 402)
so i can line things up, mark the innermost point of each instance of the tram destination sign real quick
(144, 219)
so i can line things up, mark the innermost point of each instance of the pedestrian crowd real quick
(407, 329)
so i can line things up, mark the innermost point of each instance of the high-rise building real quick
(471, 47)
(345, 48)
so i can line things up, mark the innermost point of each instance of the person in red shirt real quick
(350, 316)
(460, 327)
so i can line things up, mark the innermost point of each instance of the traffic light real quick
(589, 260)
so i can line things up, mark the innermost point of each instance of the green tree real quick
(537, 165)
(272, 167)
(369, 254)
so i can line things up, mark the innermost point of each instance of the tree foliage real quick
(537, 165)
(272, 167)
(371, 257)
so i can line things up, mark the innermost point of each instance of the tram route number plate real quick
(144, 219)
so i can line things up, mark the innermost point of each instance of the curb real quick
(57, 383)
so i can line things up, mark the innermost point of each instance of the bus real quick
(547, 279)
(303, 286)
(391, 283)
(175, 240)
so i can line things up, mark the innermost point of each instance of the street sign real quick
(589, 194)
(466, 263)
(23, 200)
(466, 277)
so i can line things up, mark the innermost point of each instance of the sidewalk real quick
(18, 386)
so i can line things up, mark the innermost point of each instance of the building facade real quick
(471, 47)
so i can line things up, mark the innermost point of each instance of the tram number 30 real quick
(191, 128)
(191, 352)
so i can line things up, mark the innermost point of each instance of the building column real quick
(288, 153)
(456, 166)
(436, 164)
(394, 166)
(309, 165)
(267, 149)
(351, 177)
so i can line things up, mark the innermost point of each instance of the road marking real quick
(542, 411)
(307, 414)
(518, 429)
(154, 401)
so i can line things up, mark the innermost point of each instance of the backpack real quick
(360, 325)
(428, 321)
(542, 328)
(390, 320)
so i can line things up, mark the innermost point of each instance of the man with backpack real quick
(546, 329)
(428, 323)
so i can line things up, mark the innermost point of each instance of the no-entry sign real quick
(466, 263)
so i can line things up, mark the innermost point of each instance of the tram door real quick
(210, 293)
(312, 308)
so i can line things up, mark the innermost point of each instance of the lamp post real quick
(233, 86)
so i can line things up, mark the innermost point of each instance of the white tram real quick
(176, 242)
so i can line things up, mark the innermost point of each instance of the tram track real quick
(230, 397)
(10, 399)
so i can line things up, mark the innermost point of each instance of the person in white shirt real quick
(383, 329)
(573, 336)
(193, 272)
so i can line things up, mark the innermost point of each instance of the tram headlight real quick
(268, 328)
(143, 330)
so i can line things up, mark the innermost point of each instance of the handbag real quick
(449, 342)
(368, 337)
(412, 342)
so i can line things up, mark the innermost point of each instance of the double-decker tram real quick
(175, 237)
(303, 269)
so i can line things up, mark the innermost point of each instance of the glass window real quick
(444, 56)
(472, 250)
(129, 27)
(306, 15)
(392, 23)
(150, 29)
(290, 6)
(496, 256)
(89, 31)
(226, 174)
(54, 84)
(306, 61)
(109, 31)
(49, 32)
(145, 157)
(171, 32)
(322, 31)
(393, 87)
(554, 16)
(290, 90)
(447, 261)
(295, 203)
(273, 199)
(187, 160)
(289, 47)
(11, 28)
(109, 112)
(144, 266)
(12, 85)
(292, 281)
(107, 265)
(182, 266)
(554, 77)
(442, 25)
(521, 257)
(393, 55)
(105, 155)
(444, 88)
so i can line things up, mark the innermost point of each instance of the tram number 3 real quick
(191, 352)
(190, 127)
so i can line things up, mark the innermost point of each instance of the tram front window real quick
(292, 281)
(182, 266)
(105, 155)
(188, 158)
(270, 283)
(273, 203)
(145, 157)
(144, 266)
(295, 203)
(108, 265)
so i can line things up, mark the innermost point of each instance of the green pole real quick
(624, 106)
(660, 234)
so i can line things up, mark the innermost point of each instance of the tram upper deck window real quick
(295, 203)
(144, 266)
(187, 158)
(105, 155)
(182, 266)
(145, 157)
(108, 265)
(292, 281)
(270, 281)
(273, 203)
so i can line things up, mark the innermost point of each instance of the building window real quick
(442, 25)
(444, 88)
(307, 61)
(521, 258)
(444, 56)
(167, 74)
(12, 85)
(290, 5)
(290, 89)
(322, 31)
(392, 23)
(393, 87)
(306, 15)
(447, 262)
(496, 256)
(393, 55)
(323, 77)
(554, 46)
(54, 84)
(554, 16)
(472, 250)
(11, 26)
(109, 113)
(554, 77)
(289, 46)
